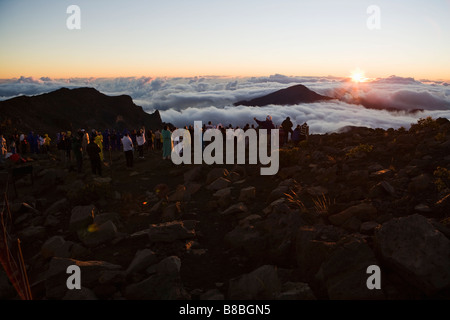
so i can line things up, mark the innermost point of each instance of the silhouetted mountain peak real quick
(72, 109)
(289, 96)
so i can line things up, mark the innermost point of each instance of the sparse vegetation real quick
(361, 149)
(424, 124)
(322, 204)
(294, 200)
(442, 179)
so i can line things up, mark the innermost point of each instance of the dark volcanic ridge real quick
(289, 96)
(298, 94)
(72, 109)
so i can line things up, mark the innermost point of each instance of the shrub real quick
(424, 124)
(359, 150)
(442, 178)
(322, 204)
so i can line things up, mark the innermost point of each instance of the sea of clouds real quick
(181, 101)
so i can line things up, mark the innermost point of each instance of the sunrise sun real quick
(358, 76)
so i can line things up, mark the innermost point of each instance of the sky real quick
(251, 38)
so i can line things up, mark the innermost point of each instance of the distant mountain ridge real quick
(73, 109)
(289, 96)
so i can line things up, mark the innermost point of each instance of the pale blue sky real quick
(234, 38)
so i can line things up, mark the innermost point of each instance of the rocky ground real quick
(339, 204)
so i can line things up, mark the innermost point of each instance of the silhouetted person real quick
(287, 128)
(267, 124)
(93, 151)
(78, 150)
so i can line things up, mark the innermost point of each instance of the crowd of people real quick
(94, 145)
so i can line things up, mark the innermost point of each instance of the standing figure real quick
(287, 128)
(98, 139)
(93, 150)
(158, 139)
(140, 140)
(128, 149)
(77, 150)
(85, 141)
(167, 142)
(68, 148)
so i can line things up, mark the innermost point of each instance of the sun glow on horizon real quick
(358, 76)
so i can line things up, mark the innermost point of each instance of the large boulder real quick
(32, 233)
(262, 283)
(247, 194)
(215, 174)
(313, 245)
(417, 251)
(95, 235)
(142, 260)
(56, 275)
(363, 212)
(193, 175)
(164, 284)
(220, 183)
(81, 217)
(171, 231)
(420, 184)
(296, 291)
(344, 274)
(56, 246)
(58, 206)
(247, 238)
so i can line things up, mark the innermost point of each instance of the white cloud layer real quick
(185, 100)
